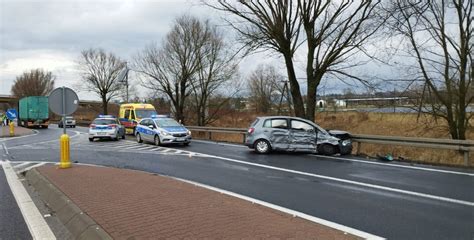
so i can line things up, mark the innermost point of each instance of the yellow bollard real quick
(12, 129)
(64, 152)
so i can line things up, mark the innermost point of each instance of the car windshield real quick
(104, 121)
(167, 122)
(144, 113)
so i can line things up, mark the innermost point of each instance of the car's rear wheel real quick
(139, 138)
(262, 146)
(327, 149)
(123, 136)
(91, 139)
(157, 140)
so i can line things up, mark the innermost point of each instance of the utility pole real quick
(123, 78)
(285, 88)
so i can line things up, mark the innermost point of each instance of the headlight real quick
(188, 132)
(346, 142)
(164, 133)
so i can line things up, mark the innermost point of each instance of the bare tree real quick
(334, 30)
(439, 39)
(264, 85)
(99, 71)
(216, 67)
(171, 69)
(193, 62)
(269, 25)
(36, 82)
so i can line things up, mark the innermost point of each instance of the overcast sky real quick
(50, 34)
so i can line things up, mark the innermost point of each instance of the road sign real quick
(63, 101)
(12, 114)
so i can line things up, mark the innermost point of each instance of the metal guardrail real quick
(464, 146)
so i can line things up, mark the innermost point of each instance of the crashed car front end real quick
(344, 141)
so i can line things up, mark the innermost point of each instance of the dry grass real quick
(390, 124)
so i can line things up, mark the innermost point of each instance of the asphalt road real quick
(12, 224)
(396, 201)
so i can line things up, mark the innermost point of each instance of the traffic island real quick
(103, 203)
(18, 131)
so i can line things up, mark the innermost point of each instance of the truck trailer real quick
(34, 112)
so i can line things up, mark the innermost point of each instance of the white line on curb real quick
(21, 165)
(33, 166)
(330, 224)
(38, 227)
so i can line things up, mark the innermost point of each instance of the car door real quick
(302, 135)
(149, 133)
(276, 130)
(121, 129)
(144, 129)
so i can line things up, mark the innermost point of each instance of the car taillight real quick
(92, 126)
(112, 125)
(251, 130)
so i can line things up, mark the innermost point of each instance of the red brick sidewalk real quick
(19, 131)
(137, 205)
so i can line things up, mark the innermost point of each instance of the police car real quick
(162, 130)
(106, 126)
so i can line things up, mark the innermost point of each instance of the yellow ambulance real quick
(131, 113)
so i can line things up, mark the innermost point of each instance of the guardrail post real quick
(210, 135)
(243, 137)
(358, 148)
(466, 158)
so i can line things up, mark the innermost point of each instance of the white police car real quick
(106, 126)
(162, 130)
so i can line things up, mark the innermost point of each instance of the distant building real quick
(321, 104)
(340, 103)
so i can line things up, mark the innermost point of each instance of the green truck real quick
(34, 112)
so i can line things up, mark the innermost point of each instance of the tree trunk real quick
(294, 88)
(311, 100)
(104, 104)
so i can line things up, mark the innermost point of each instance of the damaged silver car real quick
(285, 133)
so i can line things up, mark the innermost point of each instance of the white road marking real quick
(148, 148)
(219, 143)
(33, 166)
(12, 138)
(400, 166)
(356, 160)
(38, 227)
(390, 189)
(132, 147)
(41, 143)
(166, 150)
(330, 224)
(157, 149)
(21, 165)
(5, 148)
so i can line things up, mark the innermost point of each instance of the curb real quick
(79, 224)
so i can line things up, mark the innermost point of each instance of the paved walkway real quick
(137, 205)
(19, 131)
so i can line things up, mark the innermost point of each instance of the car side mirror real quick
(151, 126)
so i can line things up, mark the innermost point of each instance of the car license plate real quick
(101, 133)
(180, 139)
